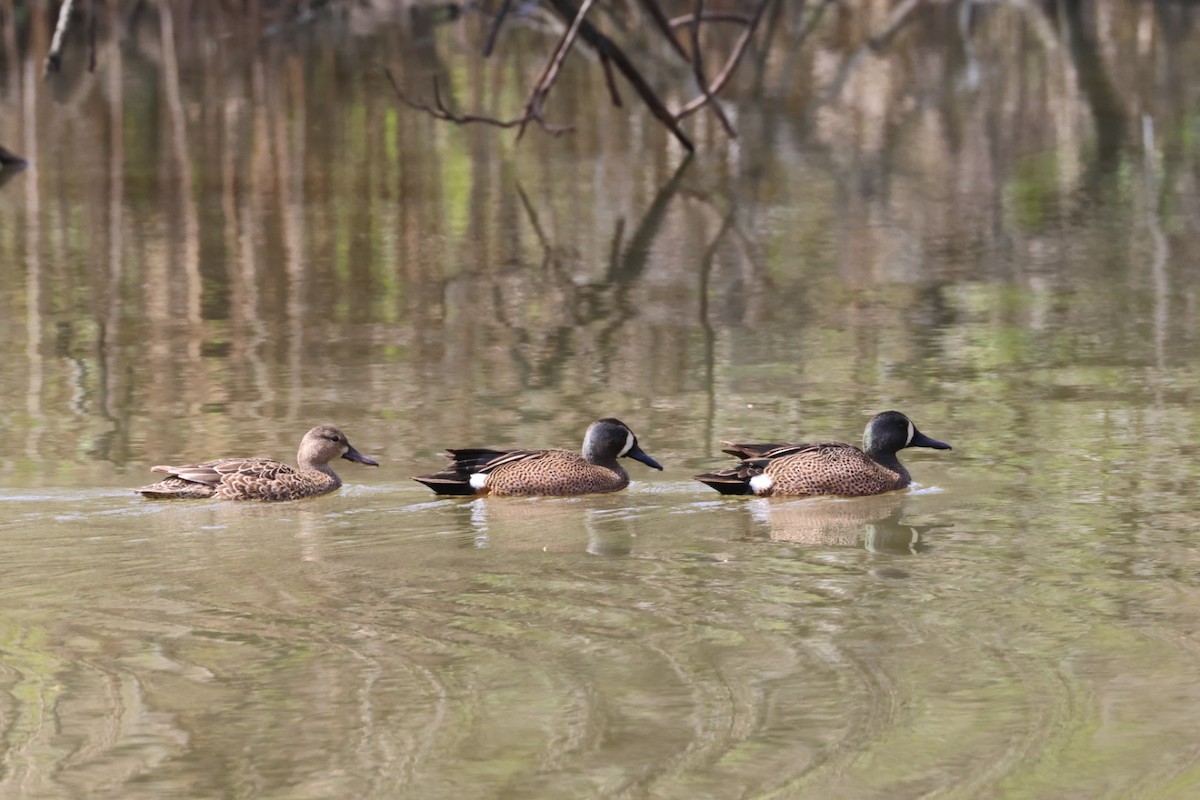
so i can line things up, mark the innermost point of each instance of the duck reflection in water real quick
(875, 523)
(597, 525)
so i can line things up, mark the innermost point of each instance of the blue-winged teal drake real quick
(262, 478)
(828, 468)
(544, 472)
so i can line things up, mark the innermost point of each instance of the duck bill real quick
(354, 455)
(639, 454)
(921, 440)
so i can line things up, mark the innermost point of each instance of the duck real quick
(552, 472)
(261, 478)
(826, 468)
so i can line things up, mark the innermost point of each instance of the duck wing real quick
(480, 460)
(213, 473)
(749, 451)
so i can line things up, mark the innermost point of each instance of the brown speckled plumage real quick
(827, 468)
(544, 472)
(261, 478)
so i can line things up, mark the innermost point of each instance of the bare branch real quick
(439, 111)
(735, 57)
(698, 70)
(608, 49)
(533, 106)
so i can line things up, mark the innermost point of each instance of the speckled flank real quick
(829, 468)
(544, 472)
(555, 473)
(833, 468)
(261, 478)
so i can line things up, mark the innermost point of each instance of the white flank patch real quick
(912, 429)
(478, 480)
(761, 483)
(628, 444)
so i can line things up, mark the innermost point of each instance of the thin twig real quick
(698, 70)
(439, 111)
(727, 71)
(533, 106)
(54, 55)
(494, 31)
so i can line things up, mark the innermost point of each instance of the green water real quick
(222, 243)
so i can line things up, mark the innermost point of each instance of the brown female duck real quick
(262, 478)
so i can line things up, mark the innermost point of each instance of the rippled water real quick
(222, 243)
(659, 642)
